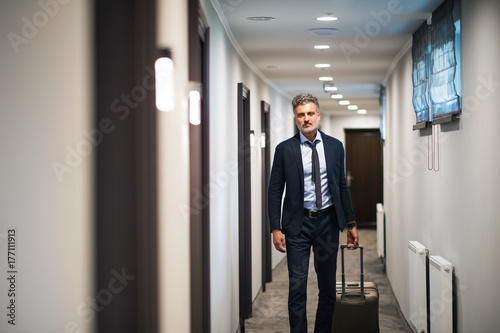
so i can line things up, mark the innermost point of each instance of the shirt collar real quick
(304, 139)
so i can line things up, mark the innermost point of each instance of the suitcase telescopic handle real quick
(362, 275)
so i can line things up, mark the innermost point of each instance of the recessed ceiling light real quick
(329, 87)
(362, 111)
(323, 31)
(322, 65)
(260, 18)
(344, 102)
(337, 96)
(327, 18)
(352, 107)
(326, 78)
(321, 47)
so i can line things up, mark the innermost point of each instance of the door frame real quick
(265, 120)
(199, 150)
(244, 205)
(126, 165)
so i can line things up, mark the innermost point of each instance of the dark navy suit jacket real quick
(288, 170)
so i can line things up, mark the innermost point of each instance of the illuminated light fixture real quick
(263, 140)
(164, 83)
(327, 18)
(260, 18)
(362, 111)
(322, 65)
(326, 78)
(336, 96)
(252, 138)
(327, 87)
(352, 107)
(321, 47)
(194, 107)
(344, 102)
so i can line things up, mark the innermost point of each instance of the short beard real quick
(310, 130)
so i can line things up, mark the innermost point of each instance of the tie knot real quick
(312, 144)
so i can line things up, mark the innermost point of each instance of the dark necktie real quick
(316, 175)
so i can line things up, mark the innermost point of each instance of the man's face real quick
(307, 118)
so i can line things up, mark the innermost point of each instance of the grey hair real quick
(304, 98)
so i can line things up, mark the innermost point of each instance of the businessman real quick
(309, 168)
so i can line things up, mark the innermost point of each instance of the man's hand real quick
(279, 240)
(352, 236)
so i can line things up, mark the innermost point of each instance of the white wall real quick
(336, 125)
(282, 128)
(228, 69)
(173, 189)
(454, 212)
(46, 106)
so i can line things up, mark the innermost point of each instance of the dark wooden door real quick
(126, 200)
(267, 269)
(244, 195)
(199, 173)
(364, 173)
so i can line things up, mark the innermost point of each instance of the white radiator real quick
(440, 295)
(380, 230)
(417, 266)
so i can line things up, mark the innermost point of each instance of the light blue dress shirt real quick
(309, 187)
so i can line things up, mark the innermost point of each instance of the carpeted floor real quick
(270, 312)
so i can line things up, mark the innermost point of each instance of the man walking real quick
(317, 205)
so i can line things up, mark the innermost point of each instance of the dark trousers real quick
(323, 235)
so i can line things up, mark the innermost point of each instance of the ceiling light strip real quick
(327, 18)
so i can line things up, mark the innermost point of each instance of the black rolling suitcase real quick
(356, 307)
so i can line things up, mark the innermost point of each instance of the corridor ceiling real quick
(364, 43)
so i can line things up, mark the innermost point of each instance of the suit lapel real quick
(298, 157)
(328, 148)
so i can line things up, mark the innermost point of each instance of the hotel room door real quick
(364, 173)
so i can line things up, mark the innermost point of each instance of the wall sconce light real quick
(262, 140)
(194, 107)
(164, 82)
(252, 138)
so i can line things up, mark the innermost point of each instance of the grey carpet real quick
(270, 312)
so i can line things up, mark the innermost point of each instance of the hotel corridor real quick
(137, 139)
(270, 312)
